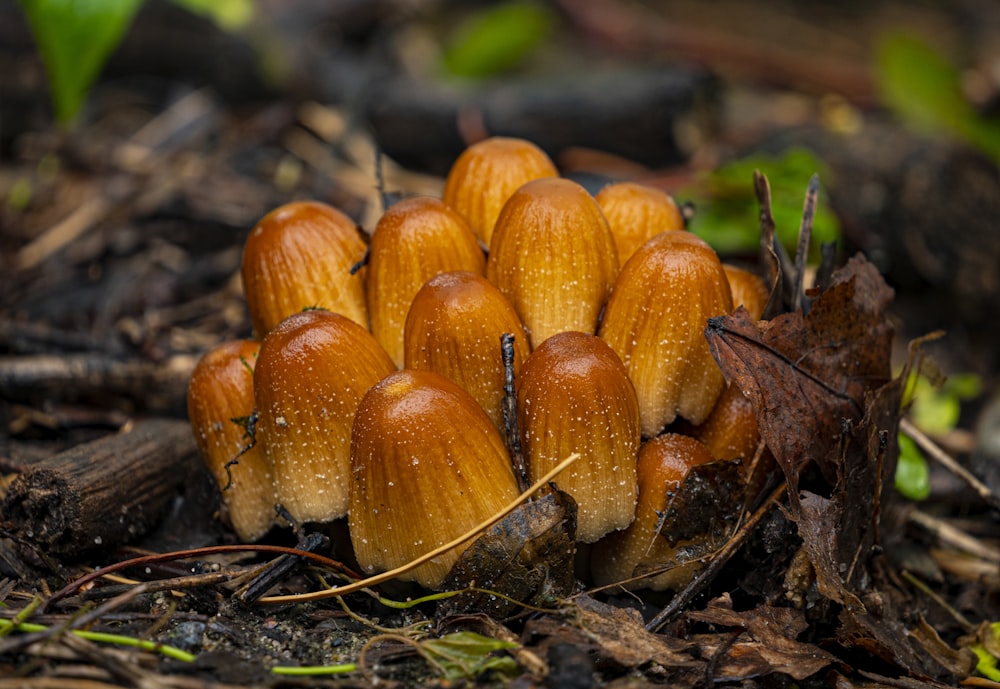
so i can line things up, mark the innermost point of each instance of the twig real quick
(468, 535)
(956, 538)
(512, 434)
(948, 462)
(683, 599)
(926, 590)
(805, 235)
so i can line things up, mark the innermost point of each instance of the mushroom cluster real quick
(377, 378)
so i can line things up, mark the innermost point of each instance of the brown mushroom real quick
(553, 257)
(300, 256)
(428, 465)
(220, 393)
(574, 395)
(311, 373)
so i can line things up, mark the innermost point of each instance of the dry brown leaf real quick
(766, 645)
(804, 374)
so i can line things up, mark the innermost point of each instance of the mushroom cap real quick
(487, 173)
(454, 328)
(414, 240)
(312, 371)
(663, 464)
(748, 290)
(300, 256)
(574, 395)
(553, 256)
(655, 321)
(427, 466)
(636, 213)
(221, 391)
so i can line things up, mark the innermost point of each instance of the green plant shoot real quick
(75, 38)
(726, 214)
(925, 92)
(935, 409)
(497, 39)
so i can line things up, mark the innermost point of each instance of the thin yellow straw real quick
(393, 573)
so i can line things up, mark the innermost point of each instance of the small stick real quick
(280, 568)
(426, 557)
(956, 538)
(512, 433)
(682, 599)
(805, 235)
(948, 462)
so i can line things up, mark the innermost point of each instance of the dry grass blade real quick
(393, 573)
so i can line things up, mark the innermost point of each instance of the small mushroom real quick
(220, 393)
(553, 256)
(312, 371)
(637, 213)
(487, 173)
(454, 328)
(663, 464)
(655, 321)
(413, 241)
(574, 395)
(300, 256)
(428, 465)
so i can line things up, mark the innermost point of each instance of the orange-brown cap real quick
(414, 240)
(574, 395)
(637, 213)
(311, 373)
(749, 290)
(655, 321)
(300, 256)
(553, 257)
(220, 393)
(454, 328)
(487, 173)
(428, 466)
(663, 464)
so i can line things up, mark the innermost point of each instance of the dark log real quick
(635, 114)
(100, 494)
(103, 379)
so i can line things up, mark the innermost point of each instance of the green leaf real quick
(75, 38)
(466, 655)
(497, 39)
(936, 408)
(925, 92)
(912, 473)
(726, 213)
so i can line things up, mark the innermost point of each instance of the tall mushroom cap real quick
(655, 321)
(663, 464)
(428, 466)
(413, 241)
(574, 395)
(487, 173)
(454, 328)
(553, 256)
(748, 289)
(220, 392)
(311, 373)
(637, 213)
(300, 256)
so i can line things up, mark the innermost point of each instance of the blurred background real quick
(140, 141)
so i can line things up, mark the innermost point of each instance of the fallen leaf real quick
(804, 374)
(528, 556)
(767, 644)
(617, 634)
